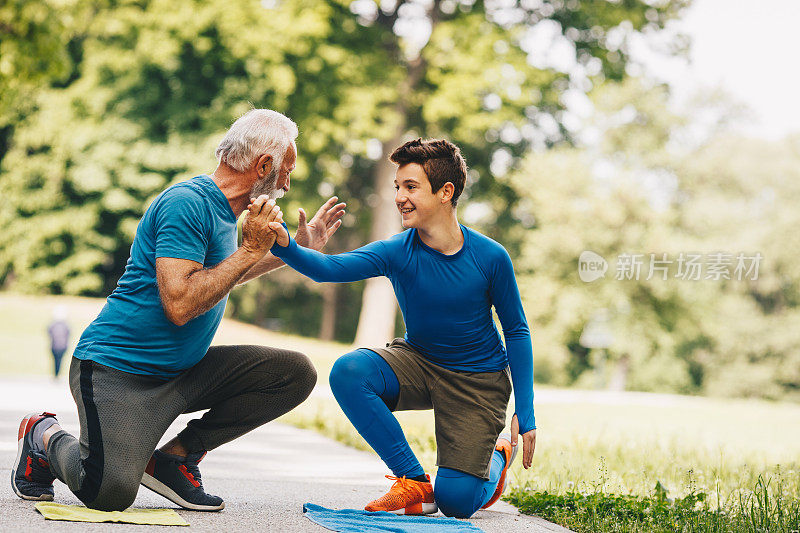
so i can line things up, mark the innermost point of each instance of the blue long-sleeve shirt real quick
(446, 301)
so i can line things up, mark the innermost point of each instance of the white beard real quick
(267, 186)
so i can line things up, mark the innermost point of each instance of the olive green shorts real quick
(469, 408)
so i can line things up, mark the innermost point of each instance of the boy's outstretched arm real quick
(365, 262)
(519, 348)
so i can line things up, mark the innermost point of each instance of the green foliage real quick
(603, 512)
(760, 510)
(33, 34)
(634, 193)
(104, 104)
(133, 96)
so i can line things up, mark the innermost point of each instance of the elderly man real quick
(146, 358)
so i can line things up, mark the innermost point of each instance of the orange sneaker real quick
(406, 497)
(503, 445)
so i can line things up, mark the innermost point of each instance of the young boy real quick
(446, 278)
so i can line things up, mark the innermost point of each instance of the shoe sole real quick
(20, 441)
(427, 508)
(162, 490)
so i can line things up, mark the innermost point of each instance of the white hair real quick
(255, 133)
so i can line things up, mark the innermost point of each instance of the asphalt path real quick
(264, 476)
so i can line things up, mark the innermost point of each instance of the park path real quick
(265, 476)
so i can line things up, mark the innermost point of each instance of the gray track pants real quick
(123, 416)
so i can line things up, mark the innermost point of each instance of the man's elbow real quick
(176, 314)
(178, 321)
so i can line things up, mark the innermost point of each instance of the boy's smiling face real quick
(414, 198)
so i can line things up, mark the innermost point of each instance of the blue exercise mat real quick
(382, 522)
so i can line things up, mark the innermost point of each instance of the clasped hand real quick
(263, 224)
(257, 236)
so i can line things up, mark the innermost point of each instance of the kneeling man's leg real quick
(122, 418)
(243, 387)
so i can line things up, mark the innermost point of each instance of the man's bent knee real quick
(303, 376)
(116, 495)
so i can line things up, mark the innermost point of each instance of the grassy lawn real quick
(603, 449)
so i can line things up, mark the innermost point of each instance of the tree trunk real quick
(619, 374)
(327, 328)
(378, 304)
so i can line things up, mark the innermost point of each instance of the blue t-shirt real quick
(191, 220)
(446, 302)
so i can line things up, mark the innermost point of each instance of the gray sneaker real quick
(178, 479)
(31, 478)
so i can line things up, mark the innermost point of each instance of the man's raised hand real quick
(257, 236)
(326, 221)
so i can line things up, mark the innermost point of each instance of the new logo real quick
(591, 266)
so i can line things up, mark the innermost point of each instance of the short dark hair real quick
(441, 160)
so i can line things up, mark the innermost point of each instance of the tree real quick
(155, 83)
(151, 93)
(611, 199)
(469, 76)
(740, 195)
(639, 190)
(32, 51)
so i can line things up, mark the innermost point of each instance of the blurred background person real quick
(58, 331)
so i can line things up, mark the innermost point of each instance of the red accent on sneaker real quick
(188, 475)
(151, 466)
(28, 469)
(44, 463)
(23, 427)
(28, 422)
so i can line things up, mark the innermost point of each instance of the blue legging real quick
(367, 389)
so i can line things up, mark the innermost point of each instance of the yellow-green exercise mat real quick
(79, 513)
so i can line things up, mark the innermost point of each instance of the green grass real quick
(765, 509)
(598, 456)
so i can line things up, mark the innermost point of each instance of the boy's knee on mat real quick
(453, 499)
